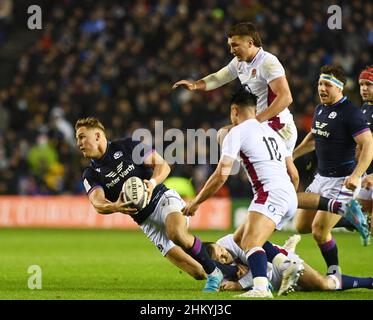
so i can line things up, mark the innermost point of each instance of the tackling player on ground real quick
(226, 251)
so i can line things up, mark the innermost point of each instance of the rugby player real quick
(275, 200)
(365, 196)
(338, 126)
(112, 163)
(262, 74)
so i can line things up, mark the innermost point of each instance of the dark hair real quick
(336, 71)
(243, 98)
(245, 29)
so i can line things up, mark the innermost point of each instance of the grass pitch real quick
(114, 264)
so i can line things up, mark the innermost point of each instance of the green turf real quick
(113, 264)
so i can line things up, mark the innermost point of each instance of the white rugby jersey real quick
(262, 152)
(256, 76)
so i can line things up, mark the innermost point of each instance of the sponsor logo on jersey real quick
(318, 131)
(121, 173)
(98, 169)
(320, 125)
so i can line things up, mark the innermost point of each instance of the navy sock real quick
(271, 251)
(198, 251)
(344, 223)
(331, 205)
(329, 251)
(257, 262)
(349, 282)
(229, 271)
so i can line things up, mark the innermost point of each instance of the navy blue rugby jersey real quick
(123, 159)
(334, 128)
(367, 110)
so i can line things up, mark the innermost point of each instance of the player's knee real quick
(320, 232)
(302, 226)
(178, 237)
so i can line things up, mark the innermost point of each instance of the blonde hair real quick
(90, 123)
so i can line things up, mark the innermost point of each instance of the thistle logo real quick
(118, 154)
(332, 115)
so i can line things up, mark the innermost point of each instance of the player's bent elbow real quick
(288, 100)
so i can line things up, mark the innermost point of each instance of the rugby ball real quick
(134, 189)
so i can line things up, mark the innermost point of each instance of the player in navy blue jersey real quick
(338, 126)
(365, 196)
(112, 163)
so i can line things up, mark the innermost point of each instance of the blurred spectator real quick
(117, 60)
(6, 7)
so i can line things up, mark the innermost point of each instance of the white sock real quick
(260, 283)
(333, 282)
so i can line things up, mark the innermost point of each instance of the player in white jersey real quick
(275, 200)
(262, 74)
(226, 251)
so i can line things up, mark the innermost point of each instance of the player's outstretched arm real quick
(210, 82)
(105, 206)
(306, 146)
(213, 184)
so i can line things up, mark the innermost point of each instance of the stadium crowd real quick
(117, 60)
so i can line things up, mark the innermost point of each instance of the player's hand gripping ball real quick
(134, 189)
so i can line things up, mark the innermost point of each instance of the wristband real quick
(153, 182)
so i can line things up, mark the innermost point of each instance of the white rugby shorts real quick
(280, 205)
(154, 226)
(330, 187)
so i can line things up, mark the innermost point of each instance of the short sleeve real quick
(356, 122)
(90, 182)
(232, 144)
(272, 69)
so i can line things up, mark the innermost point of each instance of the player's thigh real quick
(185, 262)
(303, 220)
(257, 230)
(312, 280)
